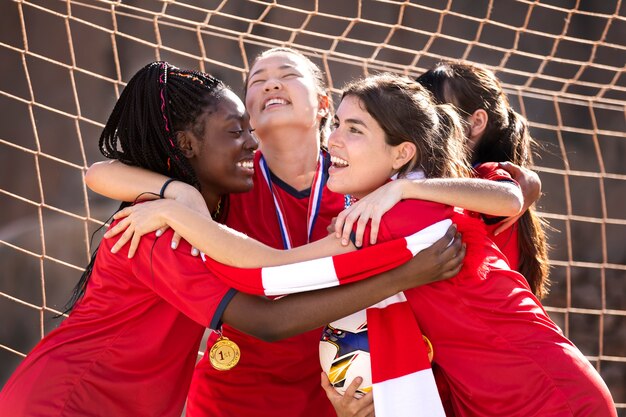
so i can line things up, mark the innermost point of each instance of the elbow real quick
(266, 327)
(515, 201)
(271, 332)
(92, 175)
(89, 177)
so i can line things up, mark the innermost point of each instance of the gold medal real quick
(429, 348)
(224, 354)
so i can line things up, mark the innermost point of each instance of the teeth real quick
(274, 101)
(338, 161)
(246, 164)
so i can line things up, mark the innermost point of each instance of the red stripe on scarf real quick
(373, 260)
(396, 344)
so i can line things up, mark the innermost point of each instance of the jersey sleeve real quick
(180, 279)
(405, 218)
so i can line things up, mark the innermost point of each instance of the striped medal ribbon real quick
(315, 200)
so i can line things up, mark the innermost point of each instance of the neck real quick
(212, 201)
(294, 162)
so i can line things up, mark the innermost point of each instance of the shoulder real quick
(411, 216)
(492, 171)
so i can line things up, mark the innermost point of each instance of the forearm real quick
(233, 248)
(298, 313)
(220, 242)
(496, 198)
(122, 182)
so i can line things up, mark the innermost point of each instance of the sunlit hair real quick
(158, 101)
(318, 77)
(406, 112)
(506, 139)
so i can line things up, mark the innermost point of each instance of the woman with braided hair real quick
(130, 342)
(289, 206)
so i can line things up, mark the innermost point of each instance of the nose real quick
(251, 143)
(334, 139)
(272, 84)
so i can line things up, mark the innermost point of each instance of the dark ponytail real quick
(158, 101)
(505, 139)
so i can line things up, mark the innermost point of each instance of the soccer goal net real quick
(562, 63)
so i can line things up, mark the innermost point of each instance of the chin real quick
(337, 188)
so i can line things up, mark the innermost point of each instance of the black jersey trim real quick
(216, 321)
(301, 193)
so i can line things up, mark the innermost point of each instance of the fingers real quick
(162, 230)
(453, 266)
(123, 213)
(339, 222)
(447, 239)
(368, 405)
(175, 240)
(374, 227)
(331, 227)
(331, 392)
(118, 228)
(360, 227)
(452, 258)
(134, 243)
(505, 225)
(126, 236)
(348, 225)
(510, 167)
(351, 390)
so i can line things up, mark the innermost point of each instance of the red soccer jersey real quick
(492, 340)
(130, 345)
(507, 240)
(271, 379)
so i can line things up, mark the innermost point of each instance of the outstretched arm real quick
(220, 242)
(297, 313)
(122, 182)
(474, 194)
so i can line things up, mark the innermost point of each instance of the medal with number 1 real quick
(224, 354)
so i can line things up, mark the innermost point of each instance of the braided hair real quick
(506, 138)
(157, 102)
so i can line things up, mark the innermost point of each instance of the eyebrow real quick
(282, 67)
(353, 121)
(237, 116)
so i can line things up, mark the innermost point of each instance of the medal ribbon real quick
(315, 200)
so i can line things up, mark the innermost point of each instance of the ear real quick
(184, 142)
(323, 107)
(478, 123)
(404, 154)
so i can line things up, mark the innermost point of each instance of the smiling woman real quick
(130, 342)
(521, 363)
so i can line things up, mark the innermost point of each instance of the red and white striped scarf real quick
(403, 382)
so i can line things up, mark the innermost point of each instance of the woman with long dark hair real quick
(130, 342)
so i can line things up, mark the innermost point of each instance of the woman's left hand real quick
(137, 221)
(347, 405)
(371, 207)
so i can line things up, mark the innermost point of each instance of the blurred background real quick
(64, 63)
